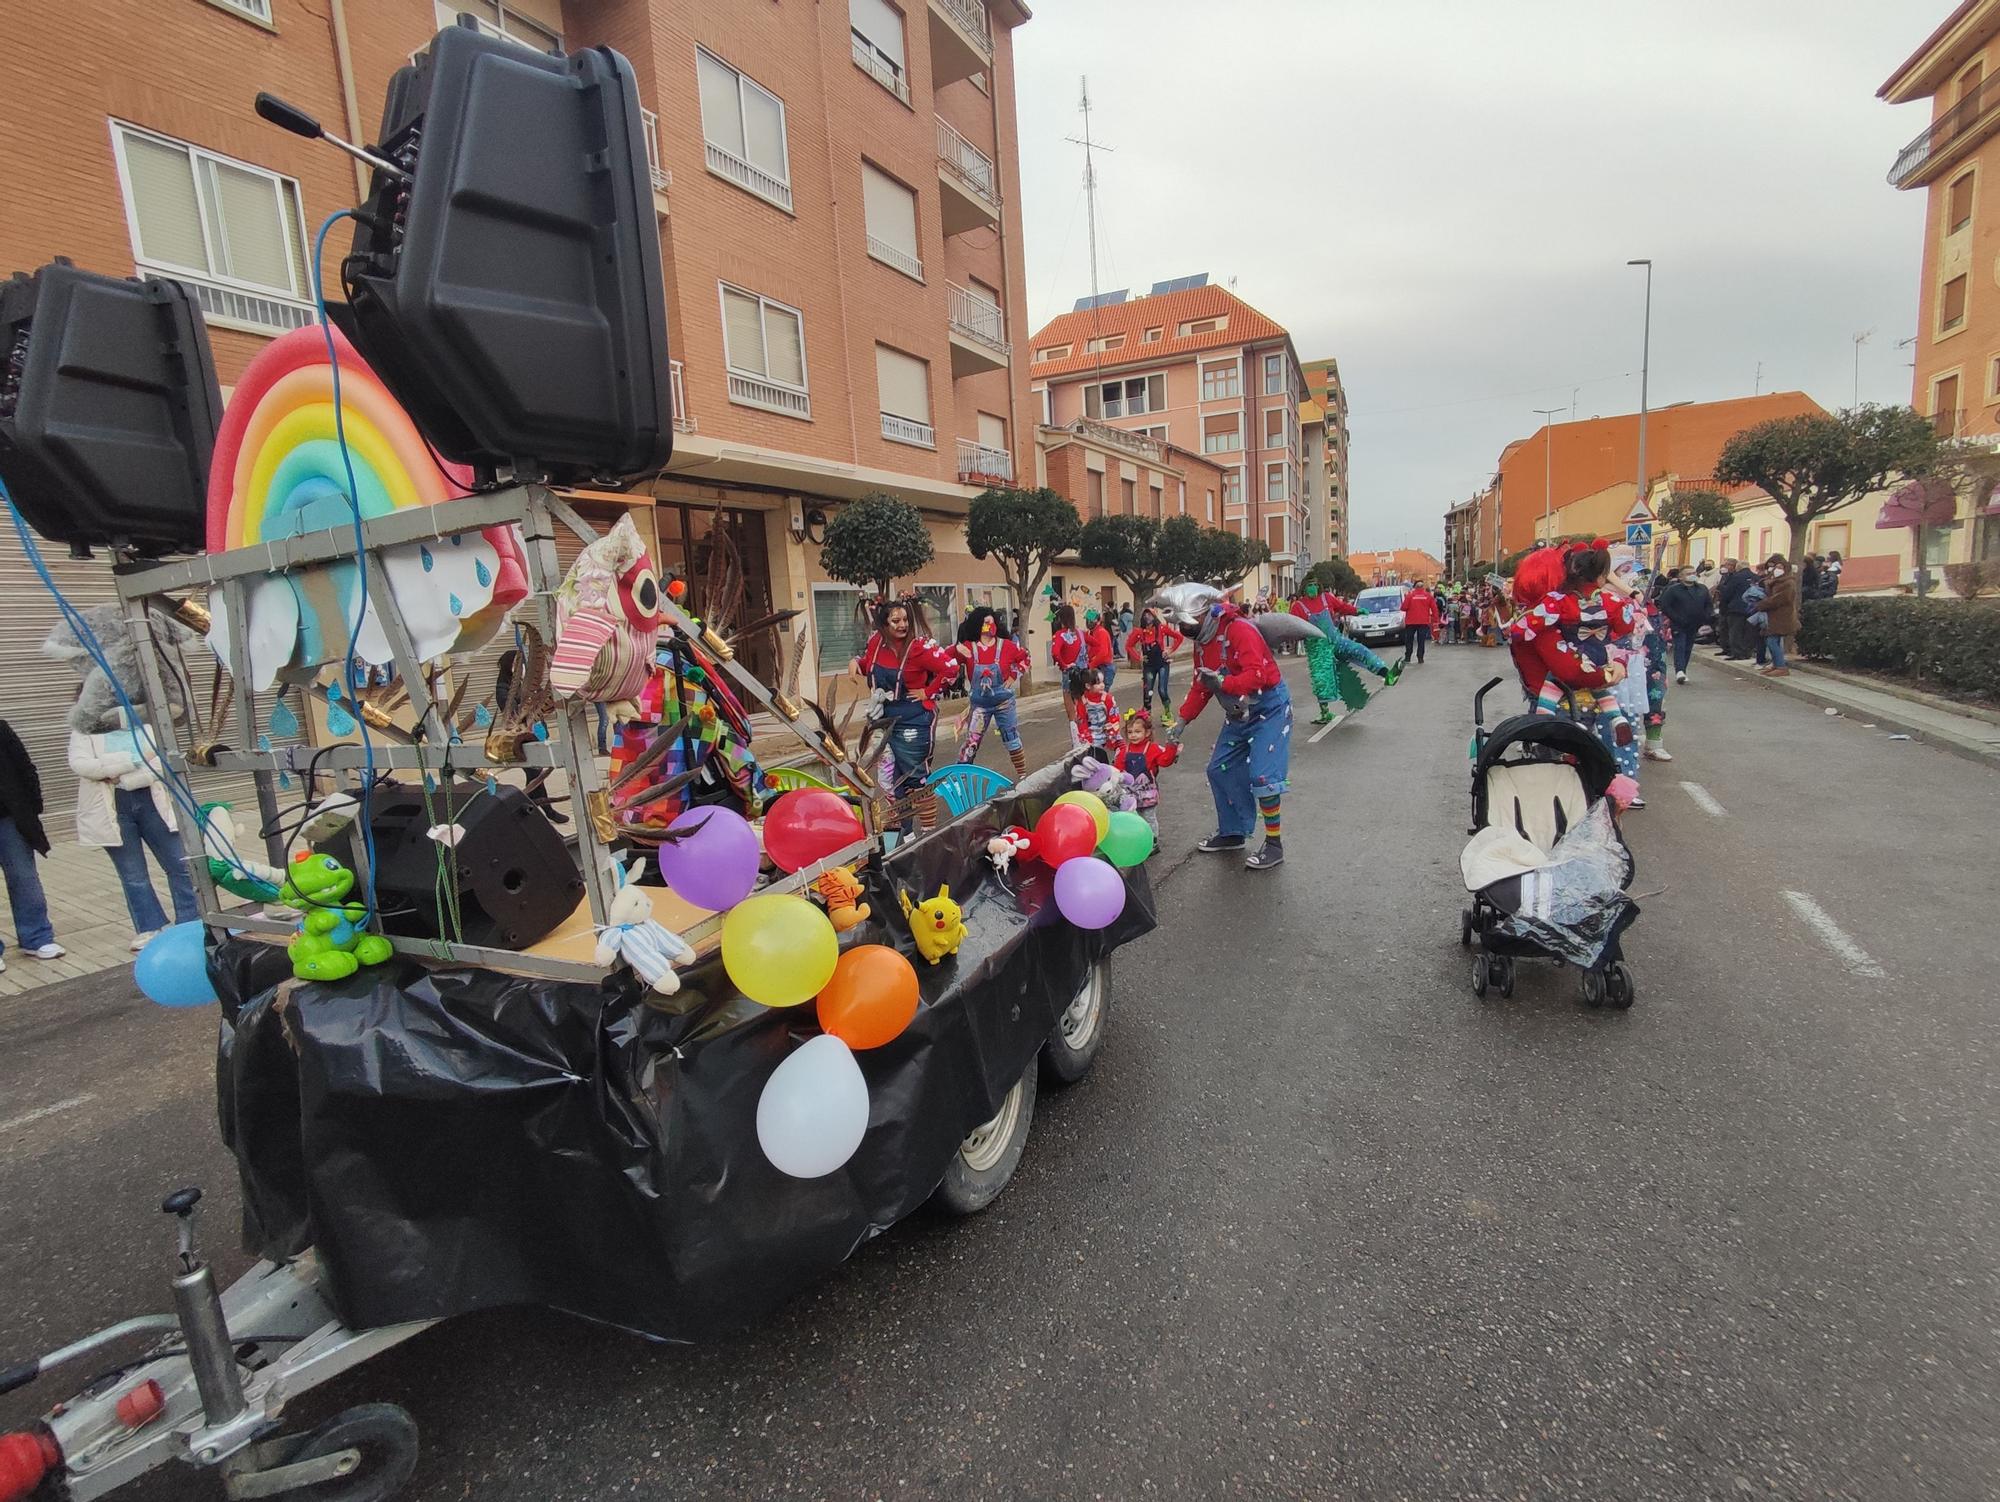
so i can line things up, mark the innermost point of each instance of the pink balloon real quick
(716, 866)
(1089, 891)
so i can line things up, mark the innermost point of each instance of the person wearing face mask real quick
(1781, 612)
(993, 665)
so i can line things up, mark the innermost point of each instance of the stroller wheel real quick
(1618, 988)
(1479, 975)
(1503, 974)
(1465, 927)
(1593, 988)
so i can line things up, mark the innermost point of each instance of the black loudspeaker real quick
(108, 409)
(509, 293)
(515, 878)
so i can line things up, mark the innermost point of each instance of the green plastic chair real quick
(791, 779)
(963, 786)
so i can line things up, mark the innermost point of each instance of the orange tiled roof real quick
(1405, 563)
(1167, 312)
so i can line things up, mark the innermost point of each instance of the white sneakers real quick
(140, 941)
(1658, 754)
(49, 951)
(1680, 677)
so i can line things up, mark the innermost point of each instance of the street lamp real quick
(1548, 470)
(1645, 363)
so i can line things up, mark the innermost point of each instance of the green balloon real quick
(1128, 841)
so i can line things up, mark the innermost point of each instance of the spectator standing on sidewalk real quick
(22, 838)
(1420, 615)
(122, 809)
(1781, 612)
(1734, 624)
(1687, 607)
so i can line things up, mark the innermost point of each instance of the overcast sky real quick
(1443, 195)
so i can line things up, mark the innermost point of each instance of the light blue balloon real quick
(173, 969)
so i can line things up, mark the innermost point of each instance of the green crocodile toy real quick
(331, 944)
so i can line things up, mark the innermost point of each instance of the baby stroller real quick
(1546, 865)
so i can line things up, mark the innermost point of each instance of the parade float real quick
(656, 1046)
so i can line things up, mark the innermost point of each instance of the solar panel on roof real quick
(1102, 300)
(1180, 284)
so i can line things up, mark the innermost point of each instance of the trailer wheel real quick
(385, 1439)
(1079, 1032)
(987, 1158)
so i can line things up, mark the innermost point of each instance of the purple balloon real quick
(716, 866)
(1089, 892)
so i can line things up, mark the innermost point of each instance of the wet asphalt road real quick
(1319, 1224)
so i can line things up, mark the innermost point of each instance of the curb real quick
(1909, 695)
(1967, 747)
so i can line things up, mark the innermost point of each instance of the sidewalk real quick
(1960, 729)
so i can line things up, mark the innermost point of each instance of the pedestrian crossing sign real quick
(1638, 534)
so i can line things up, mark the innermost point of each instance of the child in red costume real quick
(1142, 759)
(1066, 652)
(1247, 770)
(1562, 643)
(1096, 716)
(1097, 652)
(1151, 646)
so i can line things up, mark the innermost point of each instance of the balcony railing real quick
(677, 382)
(879, 68)
(908, 430)
(902, 260)
(1944, 130)
(755, 391)
(971, 15)
(650, 123)
(967, 163)
(978, 462)
(751, 179)
(1137, 444)
(978, 320)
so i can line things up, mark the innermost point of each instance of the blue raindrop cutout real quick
(482, 716)
(481, 572)
(541, 731)
(339, 721)
(425, 554)
(282, 721)
(456, 607)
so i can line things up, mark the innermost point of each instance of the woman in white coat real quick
(122, 808)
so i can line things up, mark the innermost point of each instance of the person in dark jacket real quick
(1735, 613)
(1781, 612)
(1687, 606)
(22, 838)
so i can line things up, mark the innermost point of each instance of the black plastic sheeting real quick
(457, 1139)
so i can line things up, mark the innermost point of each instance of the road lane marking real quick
(1325, 730)
(1704, 799)
(40, 1112)
(1834, 936)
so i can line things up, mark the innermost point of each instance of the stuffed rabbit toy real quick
(635, 936)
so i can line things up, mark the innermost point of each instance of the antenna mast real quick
(1090, 148)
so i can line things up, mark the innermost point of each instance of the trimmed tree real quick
(1227, 557)
(1026, 530)
(1815, 464)
(1180, 548)
(874, 542)
(1335, 574)
(1687, 512)
(1127, 545)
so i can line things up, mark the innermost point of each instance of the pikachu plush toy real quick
(937, 924)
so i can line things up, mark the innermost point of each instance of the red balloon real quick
(807, 825)
(1063, 833)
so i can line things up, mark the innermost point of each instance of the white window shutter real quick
(721, 105)
(764, 131)
(992, 431)
(165, 206)
(743, 331)
(784, 337)
(891, 210)
(905, 384)
(882, 24)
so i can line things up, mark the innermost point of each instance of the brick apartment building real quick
(1323, 387)
(1202, 370)
(837, 190)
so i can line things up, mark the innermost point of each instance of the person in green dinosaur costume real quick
(331, 944)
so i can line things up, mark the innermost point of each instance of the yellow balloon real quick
(1093, 805)
(780, 950)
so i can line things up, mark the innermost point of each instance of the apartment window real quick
(1159, 502)
(743, 126)
(1128, 493)
(1968, 82)
(1958, 211)
(1763, 544)
(256, 10)
(1993, 379)
(992, 432)
(1104, 342)
(1221, 380)
(1128, 398)
(1153, 335)
(1743, 545)
(1944, 406)
(1274, 482)
(904, 384)
(1951, 304)
(891, 212)
(1203, 326)
(1274, 375)
(1222, 434)
(1274, 427)
(233, 232)
(764, 346)
(1093, 486)
(1047, 397)
(1208, 505)
(1054, 352)
(1833, 537)
(495, 18)
(877, 27)
(1232, 487)
(1277, 533)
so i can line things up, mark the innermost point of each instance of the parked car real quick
(1380, 614)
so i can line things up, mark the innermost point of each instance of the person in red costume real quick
(1420, 618)
(1561, 644)
(1066, 652)
(1142, 759)
(1247, 769)
(1097, 650)
(993, 665)
(906, 671)
(1320, 607)
(1151, 646)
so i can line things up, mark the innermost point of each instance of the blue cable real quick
(360, 558)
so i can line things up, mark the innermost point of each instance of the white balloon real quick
(814, 1109)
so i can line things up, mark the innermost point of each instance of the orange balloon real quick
(871, 998)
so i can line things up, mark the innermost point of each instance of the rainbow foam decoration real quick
(278, 471)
